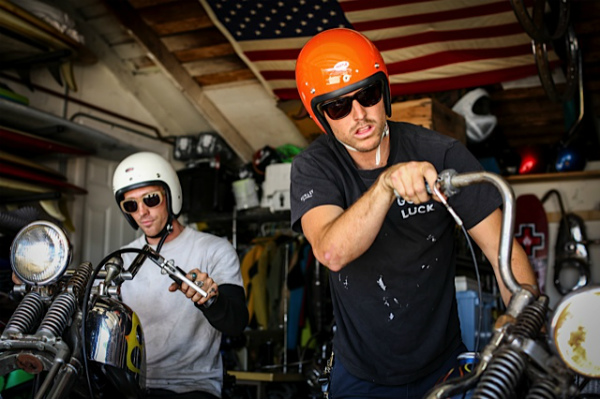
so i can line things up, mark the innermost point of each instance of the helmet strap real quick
(386, 131)
(166, 230)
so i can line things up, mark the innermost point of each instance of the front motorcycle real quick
(73, 335)
(70, 330)
(535, 352)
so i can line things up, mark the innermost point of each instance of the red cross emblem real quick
(530, 239)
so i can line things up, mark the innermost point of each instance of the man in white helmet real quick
(182, 333)
(358, 194)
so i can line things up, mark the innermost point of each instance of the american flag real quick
(428, 45)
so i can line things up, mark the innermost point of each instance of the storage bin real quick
(468, 314)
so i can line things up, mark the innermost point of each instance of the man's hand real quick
(203, 281)
(408, 180)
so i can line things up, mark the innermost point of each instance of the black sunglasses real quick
(340, 107)
(130, 205)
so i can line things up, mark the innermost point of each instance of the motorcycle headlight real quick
(40, 253)
(575, 331)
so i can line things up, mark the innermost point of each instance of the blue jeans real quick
(344, 385)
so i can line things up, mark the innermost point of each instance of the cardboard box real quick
(430, 113)
(276, 187)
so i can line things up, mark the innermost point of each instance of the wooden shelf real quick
(550, 177)
(266, 377)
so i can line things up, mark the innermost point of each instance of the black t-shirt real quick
(394, 306)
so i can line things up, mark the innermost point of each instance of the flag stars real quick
(259, 19)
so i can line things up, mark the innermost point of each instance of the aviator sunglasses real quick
(340, 107)
(152, 199)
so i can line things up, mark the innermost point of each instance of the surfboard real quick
(51, 201)
(31, 165)
(33, 31)
(531, 231)
(30, 144)
(19, 173)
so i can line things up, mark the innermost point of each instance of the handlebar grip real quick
(206, 304)
(175, 278)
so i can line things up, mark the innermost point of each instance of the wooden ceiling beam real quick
(170, 18)
(149, 3)
(202, 53)
(147, 38)
(214, 65)
(226, 77)
(198, 38)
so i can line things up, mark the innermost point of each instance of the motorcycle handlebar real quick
(450, 182)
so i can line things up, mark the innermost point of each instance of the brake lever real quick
(436, 191)
(439, 194)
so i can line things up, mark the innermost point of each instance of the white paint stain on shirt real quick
(381, 283)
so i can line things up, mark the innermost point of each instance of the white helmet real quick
(147, 169)
(479, 127)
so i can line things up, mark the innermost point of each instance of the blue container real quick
(468, 313)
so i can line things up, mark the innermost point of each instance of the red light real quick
(528, 164)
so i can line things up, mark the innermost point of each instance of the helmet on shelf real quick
(336, 62)
(479, 127)
(147, 169)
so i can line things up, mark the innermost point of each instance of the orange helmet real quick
(336, 62)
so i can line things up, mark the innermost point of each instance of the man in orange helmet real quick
(358, 194)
